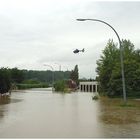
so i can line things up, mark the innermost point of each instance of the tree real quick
(109, 69)
(17, 75)
(105, 66)
(4, 80)
(75, 75)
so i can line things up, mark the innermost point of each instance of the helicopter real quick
(77, 51)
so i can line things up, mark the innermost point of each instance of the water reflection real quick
(4, 108)
(5, 100)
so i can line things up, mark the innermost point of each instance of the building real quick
(71, 84)
(88, 86)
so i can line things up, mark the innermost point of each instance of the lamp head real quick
(81, 19)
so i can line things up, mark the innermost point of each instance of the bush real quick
(95, 97)
(31, 81)
(60, 86)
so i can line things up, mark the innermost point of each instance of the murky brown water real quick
(41, 114)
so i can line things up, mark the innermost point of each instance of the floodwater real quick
(38, 113)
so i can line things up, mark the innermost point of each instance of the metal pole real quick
(66, 68)
(121, 54)
(52, 75)
(59, 66)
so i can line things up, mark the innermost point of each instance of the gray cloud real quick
(34, 32)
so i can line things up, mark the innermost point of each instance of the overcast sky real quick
(37, 32)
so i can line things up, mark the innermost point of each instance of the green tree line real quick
(28, 78)
(46, 76)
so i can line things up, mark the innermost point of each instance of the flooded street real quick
(39, 113)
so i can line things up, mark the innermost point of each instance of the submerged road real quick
(39, 113)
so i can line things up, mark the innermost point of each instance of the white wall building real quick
(88, 86)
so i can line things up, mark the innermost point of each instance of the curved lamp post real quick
(66, 67)
(121, 53)
(52, 74)
(59, 66)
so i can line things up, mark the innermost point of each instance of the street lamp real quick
(59, 66)
(52, 75)
(121, 53)
(66, 67)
